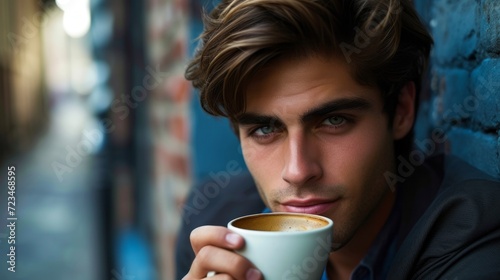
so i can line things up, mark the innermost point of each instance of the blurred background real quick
(107, 137)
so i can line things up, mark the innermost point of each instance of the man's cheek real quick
(249, 151)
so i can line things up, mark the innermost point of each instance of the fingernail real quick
(253, 274)
(233, 238)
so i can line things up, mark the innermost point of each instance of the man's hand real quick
(213, 247)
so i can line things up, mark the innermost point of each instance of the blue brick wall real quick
(462, 92)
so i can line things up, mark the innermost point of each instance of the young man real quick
(322, 95)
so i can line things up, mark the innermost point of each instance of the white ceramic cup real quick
(285, 245)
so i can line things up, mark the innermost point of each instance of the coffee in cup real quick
(280, 222)
(285, 245)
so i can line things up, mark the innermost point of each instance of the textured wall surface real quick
(462, 95)
(167, 35)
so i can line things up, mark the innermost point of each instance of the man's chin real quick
(337, 246)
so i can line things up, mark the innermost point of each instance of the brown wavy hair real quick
(384, 42)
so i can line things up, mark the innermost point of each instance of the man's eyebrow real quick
(252, 118)
(332, 106)
(355, 103)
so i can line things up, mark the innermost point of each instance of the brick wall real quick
(462, 93)
(187, 143)
(167, 36)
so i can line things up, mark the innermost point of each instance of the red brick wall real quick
(169, 112)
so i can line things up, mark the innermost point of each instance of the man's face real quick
(317, 142)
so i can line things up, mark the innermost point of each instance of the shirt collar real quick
(376, 263)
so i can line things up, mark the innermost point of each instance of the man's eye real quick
(334, 121)
(264, 130)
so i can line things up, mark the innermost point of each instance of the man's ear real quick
(405, 111)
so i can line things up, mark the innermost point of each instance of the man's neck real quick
(343, 261)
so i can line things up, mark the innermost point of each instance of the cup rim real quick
(281, 233)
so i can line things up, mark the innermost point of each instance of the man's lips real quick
(309, 206)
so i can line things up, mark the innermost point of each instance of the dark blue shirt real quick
(375, 265)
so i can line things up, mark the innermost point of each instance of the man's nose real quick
(302, 161)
